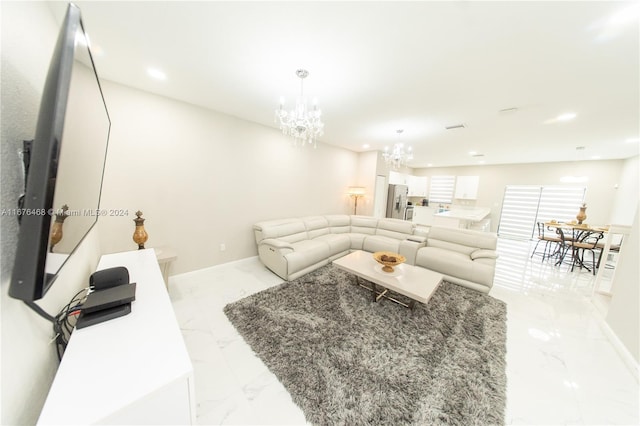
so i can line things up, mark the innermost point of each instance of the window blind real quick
(524, 206)
(441, 189)
(519, 211)
(560, 203)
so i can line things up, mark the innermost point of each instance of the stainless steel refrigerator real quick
(397, 201)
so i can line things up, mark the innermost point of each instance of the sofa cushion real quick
(456, 264)
(316, 226)
(374, 243)
(445, 261)
(357, 240)
(395, 228)
(338, 243)
(448, 245)
(364, 224)
(339, 223)
(465, 237)
(306, 253)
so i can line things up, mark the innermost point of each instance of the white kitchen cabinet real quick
(467, 187)
(129, 370)
(396, 178)
(418, 186)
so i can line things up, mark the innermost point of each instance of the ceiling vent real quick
(456, 126)
(478, 155)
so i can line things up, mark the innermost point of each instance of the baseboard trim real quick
(622, 350)
(186, 274)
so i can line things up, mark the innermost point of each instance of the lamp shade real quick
(356, 190)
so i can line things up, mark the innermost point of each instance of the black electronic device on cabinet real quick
(111, 298)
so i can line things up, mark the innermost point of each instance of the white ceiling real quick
(379, 66)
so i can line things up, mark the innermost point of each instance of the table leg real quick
(375, 292)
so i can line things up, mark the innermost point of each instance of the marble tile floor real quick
(561, 368)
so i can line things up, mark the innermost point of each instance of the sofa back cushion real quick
(289, 230)
(461, 240)
(395, 228)
(316, 226)
(339, 223)
(364, 224)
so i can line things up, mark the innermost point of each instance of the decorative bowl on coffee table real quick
(388, 259)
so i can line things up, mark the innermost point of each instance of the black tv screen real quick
(66, 163)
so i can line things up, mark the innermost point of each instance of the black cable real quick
(62, 326)
(38, 310)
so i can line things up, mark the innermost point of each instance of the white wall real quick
(624, 311)
(29, 361)
(202, 178)
(367, 163)
(603, 177)
(623, 315)
(626, 199)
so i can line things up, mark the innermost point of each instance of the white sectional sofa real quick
(296, 246)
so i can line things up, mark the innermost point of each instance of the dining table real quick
(577, 232)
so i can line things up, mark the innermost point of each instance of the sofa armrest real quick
(277, 244)
(483, 253)
(409, 249)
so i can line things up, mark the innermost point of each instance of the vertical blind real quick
(441, 189)
(523, 206)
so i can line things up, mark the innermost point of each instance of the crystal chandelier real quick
(302, 124)
(397, 157)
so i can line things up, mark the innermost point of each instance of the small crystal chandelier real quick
(397, 157)
(302, 124)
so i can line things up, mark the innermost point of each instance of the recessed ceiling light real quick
(566, 116)
(366, 146)
(481, 162)
(472, 153)
(429, 164)
(156, 73)
(595, 157)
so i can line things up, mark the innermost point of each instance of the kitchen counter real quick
(474, 218)
(423, 215)
(474, 215)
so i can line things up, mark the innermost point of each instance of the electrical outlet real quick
(223, 247)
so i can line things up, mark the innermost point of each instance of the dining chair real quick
(613, 248)
(586, 241)
(550, 243)
(566, 238)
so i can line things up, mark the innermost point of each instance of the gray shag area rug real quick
(346, 360)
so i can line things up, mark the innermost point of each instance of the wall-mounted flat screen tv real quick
(66, 163)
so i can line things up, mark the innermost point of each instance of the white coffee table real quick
(415, 282)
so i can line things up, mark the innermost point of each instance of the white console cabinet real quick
(129, 370)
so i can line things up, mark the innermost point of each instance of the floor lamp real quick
(356, 192)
